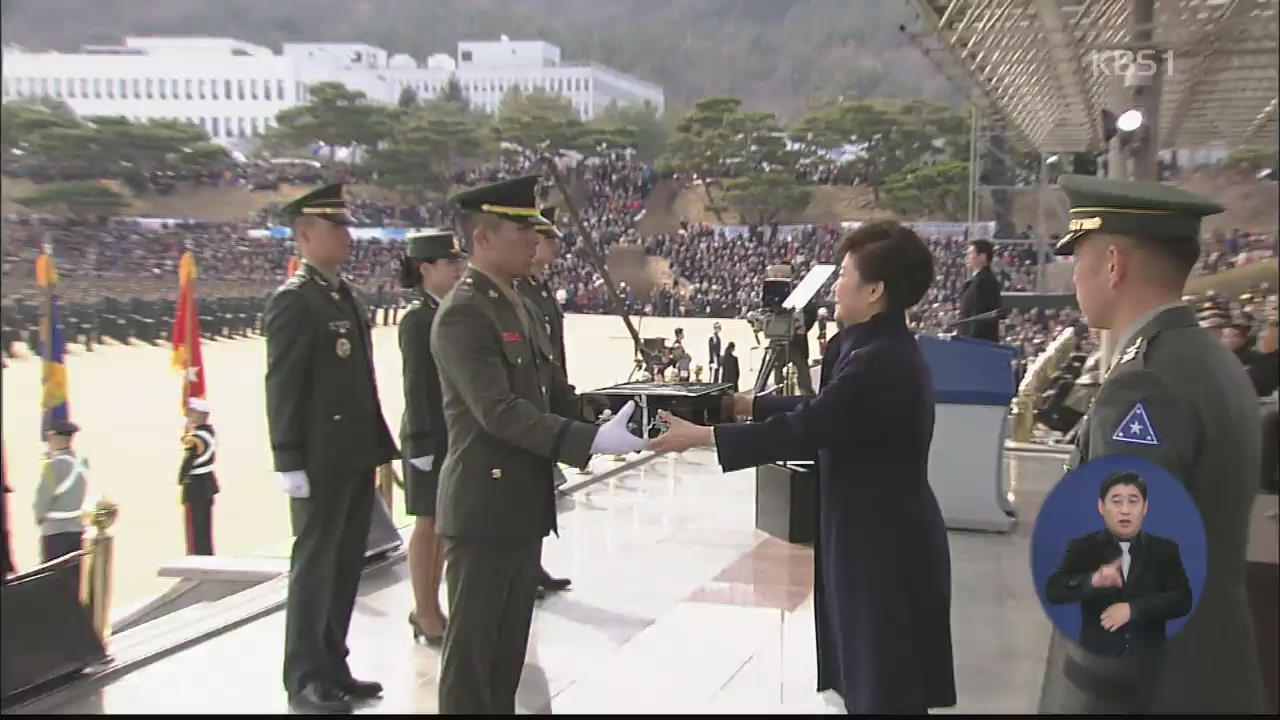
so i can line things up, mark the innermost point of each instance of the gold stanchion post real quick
(95, 593)
(387, 482)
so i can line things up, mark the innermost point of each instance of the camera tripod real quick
(774, 362)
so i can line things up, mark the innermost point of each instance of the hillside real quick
(776, 55)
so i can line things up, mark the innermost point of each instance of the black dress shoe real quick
(318, 697)
(553, 584)
(361, 689)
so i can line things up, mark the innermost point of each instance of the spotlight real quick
(1129, 120)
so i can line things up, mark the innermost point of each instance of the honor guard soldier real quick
(60, 496)
(534, 287)
(511, 416)
(328, 437)
(432, 265)
(1175, 396)
(196, 478)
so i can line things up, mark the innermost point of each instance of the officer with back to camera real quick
(1175, 396)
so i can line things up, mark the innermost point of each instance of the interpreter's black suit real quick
(1156, 589)
(981, 294)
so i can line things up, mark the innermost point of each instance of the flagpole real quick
(192, 318)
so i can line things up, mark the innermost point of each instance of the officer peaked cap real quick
(515, 200)
(1132, 207)
(325, 203)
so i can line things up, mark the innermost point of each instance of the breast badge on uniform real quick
(343, 348)
(1136, 428)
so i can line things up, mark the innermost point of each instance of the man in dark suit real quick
(981, 293)
(713, 353)
(327, 438)
(432, 265)
(729, 369)
(511, 415)
(1128, 583)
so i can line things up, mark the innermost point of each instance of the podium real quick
(786, 500)
(973, 383)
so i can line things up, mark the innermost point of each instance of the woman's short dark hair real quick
(892, 253)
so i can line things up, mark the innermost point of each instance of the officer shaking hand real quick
(511, 415)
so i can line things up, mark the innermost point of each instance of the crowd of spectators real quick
(706, 271)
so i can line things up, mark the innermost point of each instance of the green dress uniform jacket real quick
(1177, 397)
(539, 293)
(507, 407)
(422, 427)
(322, 396)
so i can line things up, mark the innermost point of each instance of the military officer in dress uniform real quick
(1175, 396)
(535, 288)
(327, 439)
(509, 412)
(196, 478)
(432, 265)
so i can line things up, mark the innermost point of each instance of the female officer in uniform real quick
(432, 265)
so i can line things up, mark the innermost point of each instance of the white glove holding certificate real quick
(613, 438)
(294, 484)
(423, 463)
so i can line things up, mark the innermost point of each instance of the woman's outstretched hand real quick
(681, 435)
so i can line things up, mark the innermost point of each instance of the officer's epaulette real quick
(1133, 356)
(295, 281)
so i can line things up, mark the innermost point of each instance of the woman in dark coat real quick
(882, 588)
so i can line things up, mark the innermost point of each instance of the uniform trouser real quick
(331, 530)
(56, 545)
(1270, 450)
(198, 519)
(491, 590)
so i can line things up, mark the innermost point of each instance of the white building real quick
(234, 89)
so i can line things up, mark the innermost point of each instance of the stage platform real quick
(678, 604)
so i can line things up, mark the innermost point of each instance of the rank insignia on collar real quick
(493, 293)
(1132, 351)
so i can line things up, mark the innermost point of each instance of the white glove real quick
(613, 438)
(294, 483)
(423, 463)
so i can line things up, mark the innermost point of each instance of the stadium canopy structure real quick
(1046, 66)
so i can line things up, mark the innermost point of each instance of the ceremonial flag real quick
(53, 401)
(292, 267)
(186, 332)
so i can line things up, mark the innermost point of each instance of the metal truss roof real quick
(1043, 65)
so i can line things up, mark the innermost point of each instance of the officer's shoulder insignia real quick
(1136, 428)
(1133, 351)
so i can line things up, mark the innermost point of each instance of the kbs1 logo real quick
(1123, 63)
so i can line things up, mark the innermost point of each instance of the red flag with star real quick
(186, 332)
